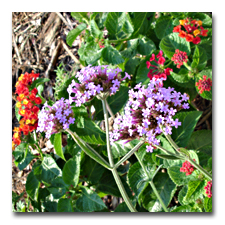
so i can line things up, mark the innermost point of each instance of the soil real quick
(39, 44)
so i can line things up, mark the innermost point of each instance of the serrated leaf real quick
(164, 26)
(57, 188)
(199, 58)
(208, 204)
(182, 134)
(26, 161)
(131, 49)
(58, 145)
(18, 116)
(182, 194)
(91, 133)
(20, 152)
(72, 35)
(183, 208)
(95, 29)
(111, 55)
(172, 42)
(64, 205)
(71, 171)
(195, 189)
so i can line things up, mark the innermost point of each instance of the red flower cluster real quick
(192, 32)
(208, 189)
(157, 71)
(204, 85)
(179, 58)
(26, 101)
(187, 168)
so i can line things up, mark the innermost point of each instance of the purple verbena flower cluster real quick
(53, 119)
(147, 112)
(93, 81)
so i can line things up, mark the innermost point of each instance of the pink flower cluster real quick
(187, 168)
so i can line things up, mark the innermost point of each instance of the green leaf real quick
(38, 82)
(57, 188)
(168, 157)
(205, 94)
(199, 58)
(172, 42)
(141, 23)
(195, 189)
(72, 35)
(32, 185)
(47, 169)
(138, 179)
(92, 170)
(208, 204)
(131, 49)
(95, 29)
(181, 77)
(20, 152)
(26, 161)
(166, 189)
(18, 116)
(92, 134)
(131, 65)
(179, 178)
(64, 205)
(58, 145)
(182, 134)
(71, 171)
(89, 201)
(118, 25)
(81, 16)
(142, 71)
(145, 46)
(182, 194)
(111, 55)
(207, 46)
(183, 208)
(164, 26)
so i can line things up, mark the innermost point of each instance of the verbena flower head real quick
(193, 30)
(93, 81)
(53, 119)
(149, 110)
(156, 67)
(208, 189)
(179, 58)
(204, 85)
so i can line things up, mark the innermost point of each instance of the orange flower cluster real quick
(26, 103)
(192, 32)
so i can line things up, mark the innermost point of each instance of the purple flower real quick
(53, 119)
(147, 110)
(94, 81)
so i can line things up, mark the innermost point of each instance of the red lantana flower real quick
(157, 69)
(179, 58)
(208, 189)
(204, 85)
(187, 168)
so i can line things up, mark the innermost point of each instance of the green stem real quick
(197, 166)
(114, 171)
(119, 40)
(131, 152)
(151, 183)
(168, 64)
(89, 150)
(107, 132)
(188, 67)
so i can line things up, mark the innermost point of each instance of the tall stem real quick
(151, 183)
(114, 171)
